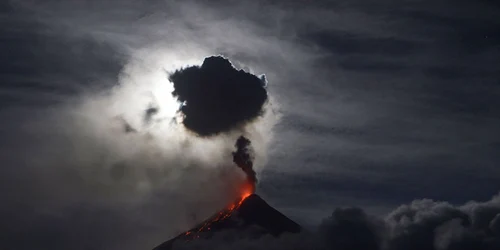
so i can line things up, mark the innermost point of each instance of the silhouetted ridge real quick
(255, 210)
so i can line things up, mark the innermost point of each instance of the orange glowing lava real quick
(247, 189)
(245, 195)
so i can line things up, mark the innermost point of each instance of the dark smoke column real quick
(243, 157)
(217, 97)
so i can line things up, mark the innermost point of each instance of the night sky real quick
(369, 104)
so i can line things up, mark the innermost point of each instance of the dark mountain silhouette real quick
(250, 218)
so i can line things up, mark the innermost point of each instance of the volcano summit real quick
(250, 218)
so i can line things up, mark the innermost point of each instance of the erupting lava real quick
(246, 191)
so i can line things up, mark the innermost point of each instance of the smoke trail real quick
(243, 157)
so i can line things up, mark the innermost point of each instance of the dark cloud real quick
(375, 66)
(50, 231)
(342, 43)
(422, 224)
(217, 97)
(41, 67)
(351, 229)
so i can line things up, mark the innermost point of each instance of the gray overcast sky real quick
(380, 103)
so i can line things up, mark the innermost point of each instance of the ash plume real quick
(217, 97)
(244, 159)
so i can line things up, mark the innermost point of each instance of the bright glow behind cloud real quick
(144, 83)
(159, 153)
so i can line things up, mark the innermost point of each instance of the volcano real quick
(250, 218)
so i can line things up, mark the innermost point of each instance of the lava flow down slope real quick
(249, 217)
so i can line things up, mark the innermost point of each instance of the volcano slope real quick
(250, 219)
